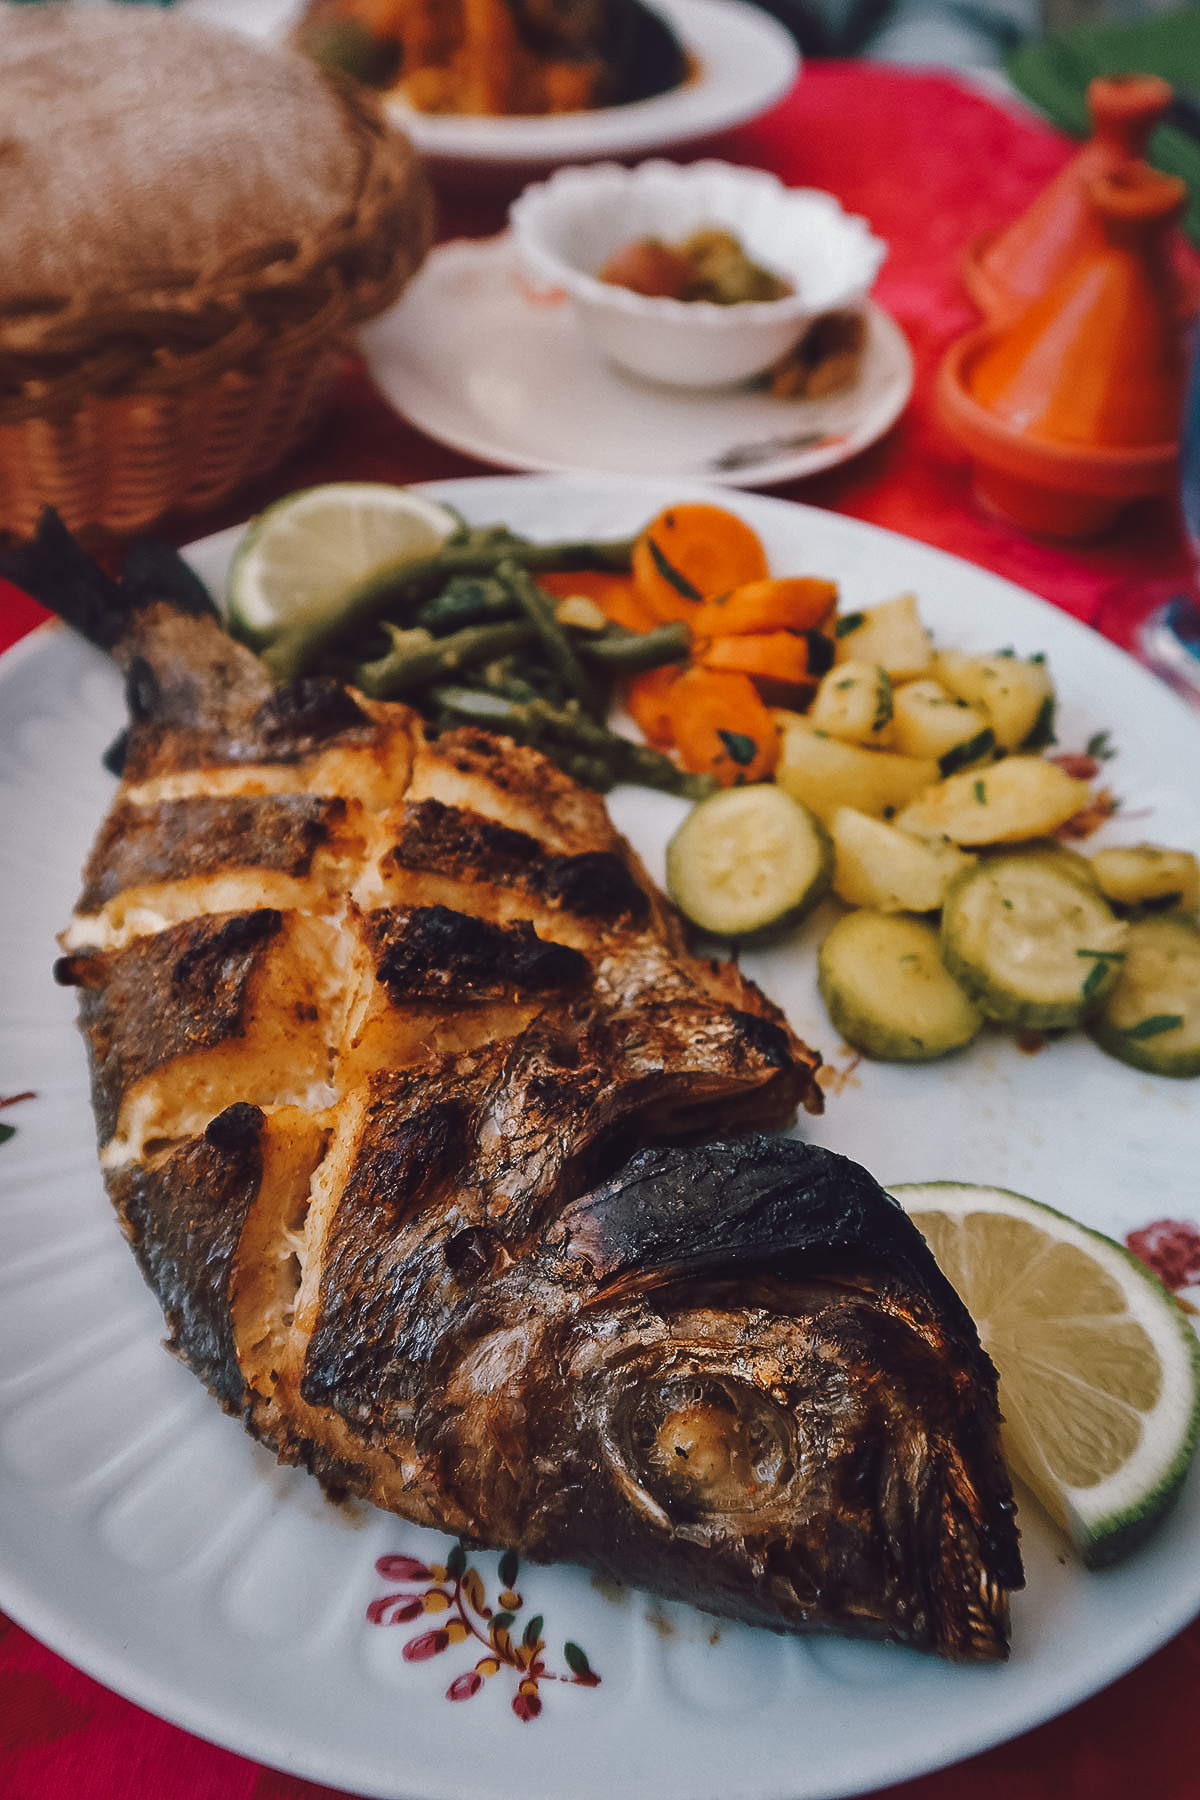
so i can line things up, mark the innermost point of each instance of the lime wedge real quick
(303, 555)
(1099, 1365)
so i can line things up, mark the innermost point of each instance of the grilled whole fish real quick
(451, 1168)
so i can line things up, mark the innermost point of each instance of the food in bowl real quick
(709, 265)
(568, 227)
(499, 57)
(190, 225)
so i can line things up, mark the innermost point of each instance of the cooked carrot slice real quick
(775, 661)
(615, 595)
(646, 698)
(788, 603)
(722, 726)
(691, 553)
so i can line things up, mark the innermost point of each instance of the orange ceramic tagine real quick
(1004, 271)
(1073, 410)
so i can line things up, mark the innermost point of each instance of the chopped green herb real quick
(670, 573)
(849, 622)
(1155, 1025)
(980, 792)
(1098, 973)
(961, 756)
(6, 1132)
(883, 707)
(741, 748)
(1100, 746)
(1041, 734)
(820, 652)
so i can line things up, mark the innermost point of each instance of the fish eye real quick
(707, 1443)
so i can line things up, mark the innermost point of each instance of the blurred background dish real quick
(744, 61)
(155, 358)
(569, 229)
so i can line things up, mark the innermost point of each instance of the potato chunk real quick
(928, 720)
(824, 773)
(879, 866)
(854, 703)
(1148, 874)
(1014, 693)
(890, 634)
(1021, 797)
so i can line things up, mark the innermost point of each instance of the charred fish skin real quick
(406, 1090)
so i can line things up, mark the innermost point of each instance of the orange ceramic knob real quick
(1098, 360)
(1004, 272)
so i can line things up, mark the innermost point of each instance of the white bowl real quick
(567, 227)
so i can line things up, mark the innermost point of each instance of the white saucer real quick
(483, 361)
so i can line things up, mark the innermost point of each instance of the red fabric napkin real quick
(930, 163)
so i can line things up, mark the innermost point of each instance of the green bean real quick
(628, 652)
(417, 658)
(539, 610)
(404, 585)
(588, 752)
(466, 600)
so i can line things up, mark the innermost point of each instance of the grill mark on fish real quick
(593, 884)
(422, 1168)
(145, 846)
(433, 952)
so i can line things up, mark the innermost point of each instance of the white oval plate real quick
(147, 1539)
(481, 359)
(746, 62)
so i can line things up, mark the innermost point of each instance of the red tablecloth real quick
(930, 163)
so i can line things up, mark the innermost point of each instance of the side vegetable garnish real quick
(947, 823)
(924, 766)
(1099, 1366)
(749, 862)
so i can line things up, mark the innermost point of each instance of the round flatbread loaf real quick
(161, 175)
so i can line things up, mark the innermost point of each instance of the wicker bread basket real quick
(190, 224)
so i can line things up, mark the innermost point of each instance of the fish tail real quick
(54, 569)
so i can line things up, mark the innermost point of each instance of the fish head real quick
(776, 1398)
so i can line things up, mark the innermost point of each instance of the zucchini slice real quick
(1032, 944)
(749, 861)
(889, 993)
(1151, 1019)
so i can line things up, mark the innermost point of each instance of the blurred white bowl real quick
(566, 228)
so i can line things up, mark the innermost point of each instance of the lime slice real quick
(303, 555)
(1099, 1366)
